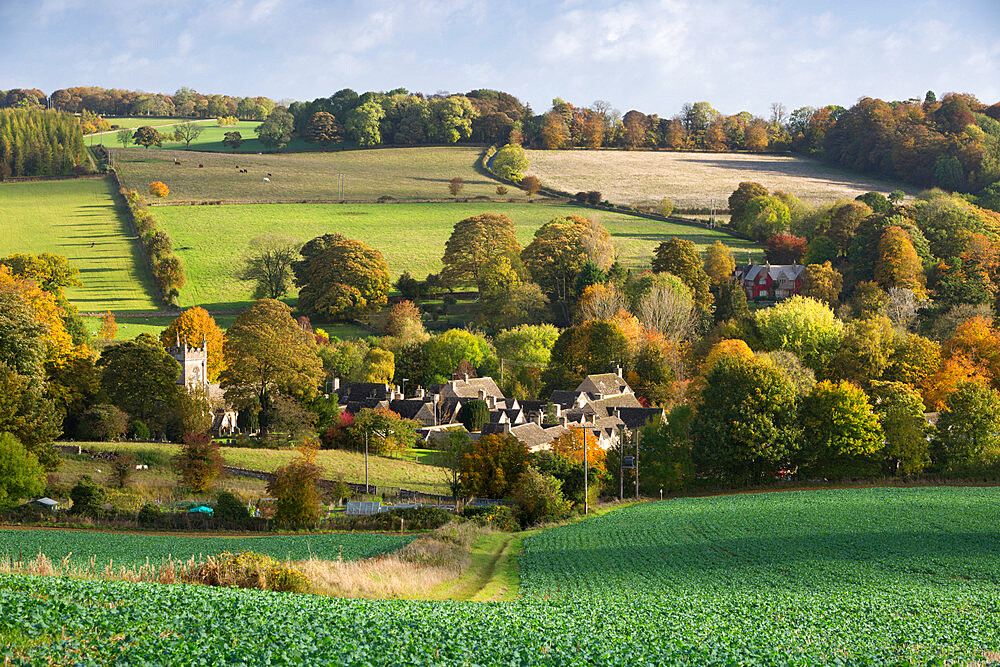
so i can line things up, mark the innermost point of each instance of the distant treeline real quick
(40, 143)
(952, 143)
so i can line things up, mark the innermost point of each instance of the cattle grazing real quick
(267, 180)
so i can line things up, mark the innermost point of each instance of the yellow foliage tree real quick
(109, 328)
(46, 311)
(719, 263)
(898, 263)
(159, 189)
(729, 347)
(194, 325)
(570, 445)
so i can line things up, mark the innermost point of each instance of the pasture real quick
(876, 576)
(691, 180)
(210, 139)
(414, 470)
(130, 326)
(79, 220)
(135, 549)
(401, 173)
(211, 239)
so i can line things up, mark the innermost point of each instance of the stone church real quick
(194, 376)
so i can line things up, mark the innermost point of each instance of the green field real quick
(78, 219)
(131, 550)
(130, 326)
(209, 140)
(402, 173)
(211, 239)
(419, 475)
(850, 577)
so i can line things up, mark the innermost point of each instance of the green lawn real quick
(138, 121)
(210, 239)
(130, 326)
(78, 219)
(209, 140)
(415, 470)
(402, 173)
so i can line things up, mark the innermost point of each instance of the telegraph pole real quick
(366, 464)
(638, 433)
(586, 474)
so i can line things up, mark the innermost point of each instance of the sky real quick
(651, 55)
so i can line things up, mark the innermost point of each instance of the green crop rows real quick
(128, 550)
(836, 577)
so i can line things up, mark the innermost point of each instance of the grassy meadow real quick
(211, 239)
(691, 180)
(79, 220)
(401, 173)
(210, 140)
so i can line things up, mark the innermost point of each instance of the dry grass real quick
(410, 573)
(168, 571)
(692, 179)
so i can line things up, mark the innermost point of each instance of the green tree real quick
(539, 497)
(21, 475)
(968, 429)
(87, 497)
(141, 378)
(596, 346)
(362, 124)
(188, 132)
(821, 249)
(745, 428)
(28, 414)
(844, 223)
(474, 414)
(447, 350)
(476, 243)
(450, 119)
(233, 139)
(103, 423)
(666, 455)
(802, 325)
(22, 344)
(764, 217)
(865, 351)
(266, 351)
(124, 137)
(510, 163)
(388, 433)
(340, 278)
(268, 264)
(323, 129)
(900, 412)
(277, 130)
(681, 258)
(147, 136)
(740, 197)
(840, 433)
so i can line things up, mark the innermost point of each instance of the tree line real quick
(38, 143)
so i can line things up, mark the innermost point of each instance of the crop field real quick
(879, 576)
(133, 549)
(401, 173)
(78, 219)
(691, 180)
(382, 471)
(211, 239)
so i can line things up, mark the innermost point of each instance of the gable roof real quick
(470, 388)
(363, 391)
(634, 418)
(604, 384)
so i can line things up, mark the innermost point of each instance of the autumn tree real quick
(844, 222)
(188, 132)
(898, 264)
(268, 265)
(492, 465)
(109, 328)
(592, 347)
(865, 351)
(720, 264)
(802, 325)
(476, 243)
(455, 186)
(387, 432)
(266, 351)
(571, 443)
(599, 301)
(233, 139)
(822, 282)
(668, 307)
(785, 249)
(510, 162)
(740, 197)
(323, 128)
(914, 359)
(531, 185)
(379, 366)
(199, 462)
(295, 488)
(147, 136)
(554, 132)
(340, 278)
(681, 258)
(841, 434)
(192, 328)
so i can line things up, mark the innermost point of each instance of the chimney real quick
(465, 376)
(558, 410)
(420, 392)
(618, 371)
(538, 418)
(481, 394)
(336, 384)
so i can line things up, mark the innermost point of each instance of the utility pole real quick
(366, 463)
(586, 474)
(621, 466)
(638, 434)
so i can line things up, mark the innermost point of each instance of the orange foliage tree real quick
(492, 464)
(898, 263)
(953, 372)
(570, 445)
(109, 328)
(47, 311)
(192, 326)
(978, 341)
(159, 189)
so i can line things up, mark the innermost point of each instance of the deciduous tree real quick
(968, 429)
(21, 475)
(476, 243)
(898, 264)
(840, 433)
(277, 130)
(822, 282)
(492, 465)
(719, 263)
(141, 378)
(900, 412)
(268, 264)
(803, 325)
(188, 132)
(323, 129)
(199, 462)
(340, 278)
(681, 258)
(147, 136)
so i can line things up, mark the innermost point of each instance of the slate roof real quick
(567, 398)
(363, 391)
(634, 418)
(604, 384)
(470, 388)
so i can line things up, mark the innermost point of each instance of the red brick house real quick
(770, 281)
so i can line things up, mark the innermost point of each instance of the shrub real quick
(150, 514)
(593, 197)
(122, 467)
(138, 430)
(21, 475)
(199, 462)
(474, 414)
(539, 497)
(230, 509)
(294, 487)
(87, 497)
(250, 570)
(102, 423)
(499, 517)
(159, 189)
(502, 190)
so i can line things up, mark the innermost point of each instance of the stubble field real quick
(692, 180)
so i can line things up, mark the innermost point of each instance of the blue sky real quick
(652, 55)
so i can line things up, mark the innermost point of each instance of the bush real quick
(499, 517)
(149, 514)
(138, 430)
(199, 462)
(539, 498)
(250, 570)
(159, 189)
(230, 509)
(294, 487)
(593, 197)
(21, 475)
(122, 467)
(87, 497)
(102, 423)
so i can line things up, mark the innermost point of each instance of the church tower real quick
(193, 361)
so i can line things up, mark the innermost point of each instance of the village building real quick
(194, 377)
(770, 281)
